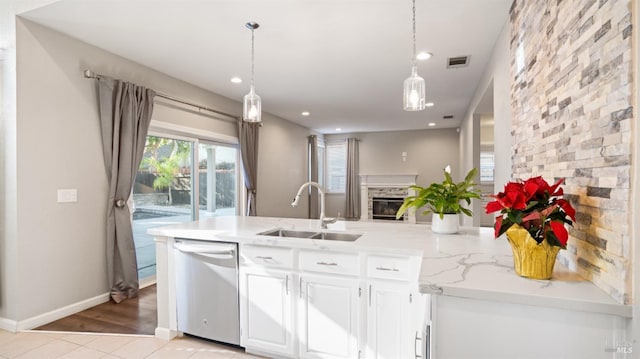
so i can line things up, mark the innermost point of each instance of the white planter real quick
(449, 224)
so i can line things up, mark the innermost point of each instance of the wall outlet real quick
(67, 195)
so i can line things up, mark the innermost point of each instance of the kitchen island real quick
(466, 282)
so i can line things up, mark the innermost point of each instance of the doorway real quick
(180, 179)
(484, 111)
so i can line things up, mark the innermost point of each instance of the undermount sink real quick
(278, 232)
(336, 236)
(327, 236)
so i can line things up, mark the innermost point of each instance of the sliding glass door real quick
(217, 167)
(166, 191)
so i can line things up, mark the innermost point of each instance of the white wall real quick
(7, 157)
(499, 66)
(56, 256)
(496, 70)
(428, 152)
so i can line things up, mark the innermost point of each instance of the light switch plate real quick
(67, 195)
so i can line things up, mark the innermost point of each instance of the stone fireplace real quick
(383, 194)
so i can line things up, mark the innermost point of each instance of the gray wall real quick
(497, 70)
(283, 167)
(428, 152)
(54, 254)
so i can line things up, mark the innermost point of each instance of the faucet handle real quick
(332, 220)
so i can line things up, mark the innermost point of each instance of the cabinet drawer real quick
(387, 267)
(266, 256)
(329, 262)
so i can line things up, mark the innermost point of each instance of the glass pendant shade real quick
(414, 92)
(252, 108)
(252, 104)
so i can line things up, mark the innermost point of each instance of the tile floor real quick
(50, 345)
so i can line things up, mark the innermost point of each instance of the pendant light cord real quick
(252, 57)
(413, 59)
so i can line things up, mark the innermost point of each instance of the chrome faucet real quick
(323, 221)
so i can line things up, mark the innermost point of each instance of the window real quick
(487, 167)
(336, 166)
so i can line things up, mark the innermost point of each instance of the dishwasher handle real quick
(206, 250)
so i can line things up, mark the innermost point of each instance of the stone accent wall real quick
(572, 111)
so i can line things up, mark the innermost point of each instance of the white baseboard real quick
(59, 313)
(8, 325)
(166, 334)
(34, 322)
(147, 281)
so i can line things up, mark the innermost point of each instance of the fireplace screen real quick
(386, 208)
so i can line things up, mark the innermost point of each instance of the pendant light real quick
(252, 106)
(414, 87)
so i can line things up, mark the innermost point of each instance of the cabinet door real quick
(328, 317)
(266, 310)
(395, 315)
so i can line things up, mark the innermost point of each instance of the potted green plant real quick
(444, 201)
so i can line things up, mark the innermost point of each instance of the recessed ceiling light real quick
(338, 129)
(423, 55)
(429, 104)
(431, 124)
(236, 80)
(306, 113)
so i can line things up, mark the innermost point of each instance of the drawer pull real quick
(327, 264)
(388, 269)
(264, 258)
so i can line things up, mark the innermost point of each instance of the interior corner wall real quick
(573, 112)
(60, 247)
(496, 71)
(428, 151)
(8, 250)
(282, 168)
(469, 159)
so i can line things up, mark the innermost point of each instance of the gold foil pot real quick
(531, 259)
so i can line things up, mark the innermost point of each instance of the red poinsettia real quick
(536, 206)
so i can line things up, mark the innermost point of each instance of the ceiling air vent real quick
(458, 61)
(447, 117)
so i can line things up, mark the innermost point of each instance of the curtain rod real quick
(92, 75)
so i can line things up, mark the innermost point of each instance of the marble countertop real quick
(470, 264)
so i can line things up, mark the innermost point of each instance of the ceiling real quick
(344, 61)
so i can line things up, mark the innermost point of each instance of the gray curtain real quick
(314, 212)
(248, 132)
(125, 114)
(352, 190)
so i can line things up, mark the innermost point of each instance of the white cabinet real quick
(328, 316)
(388, 321)
(266, 310)
(322, 304)
(395, 320)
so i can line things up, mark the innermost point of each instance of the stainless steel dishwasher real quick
(207, 289)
